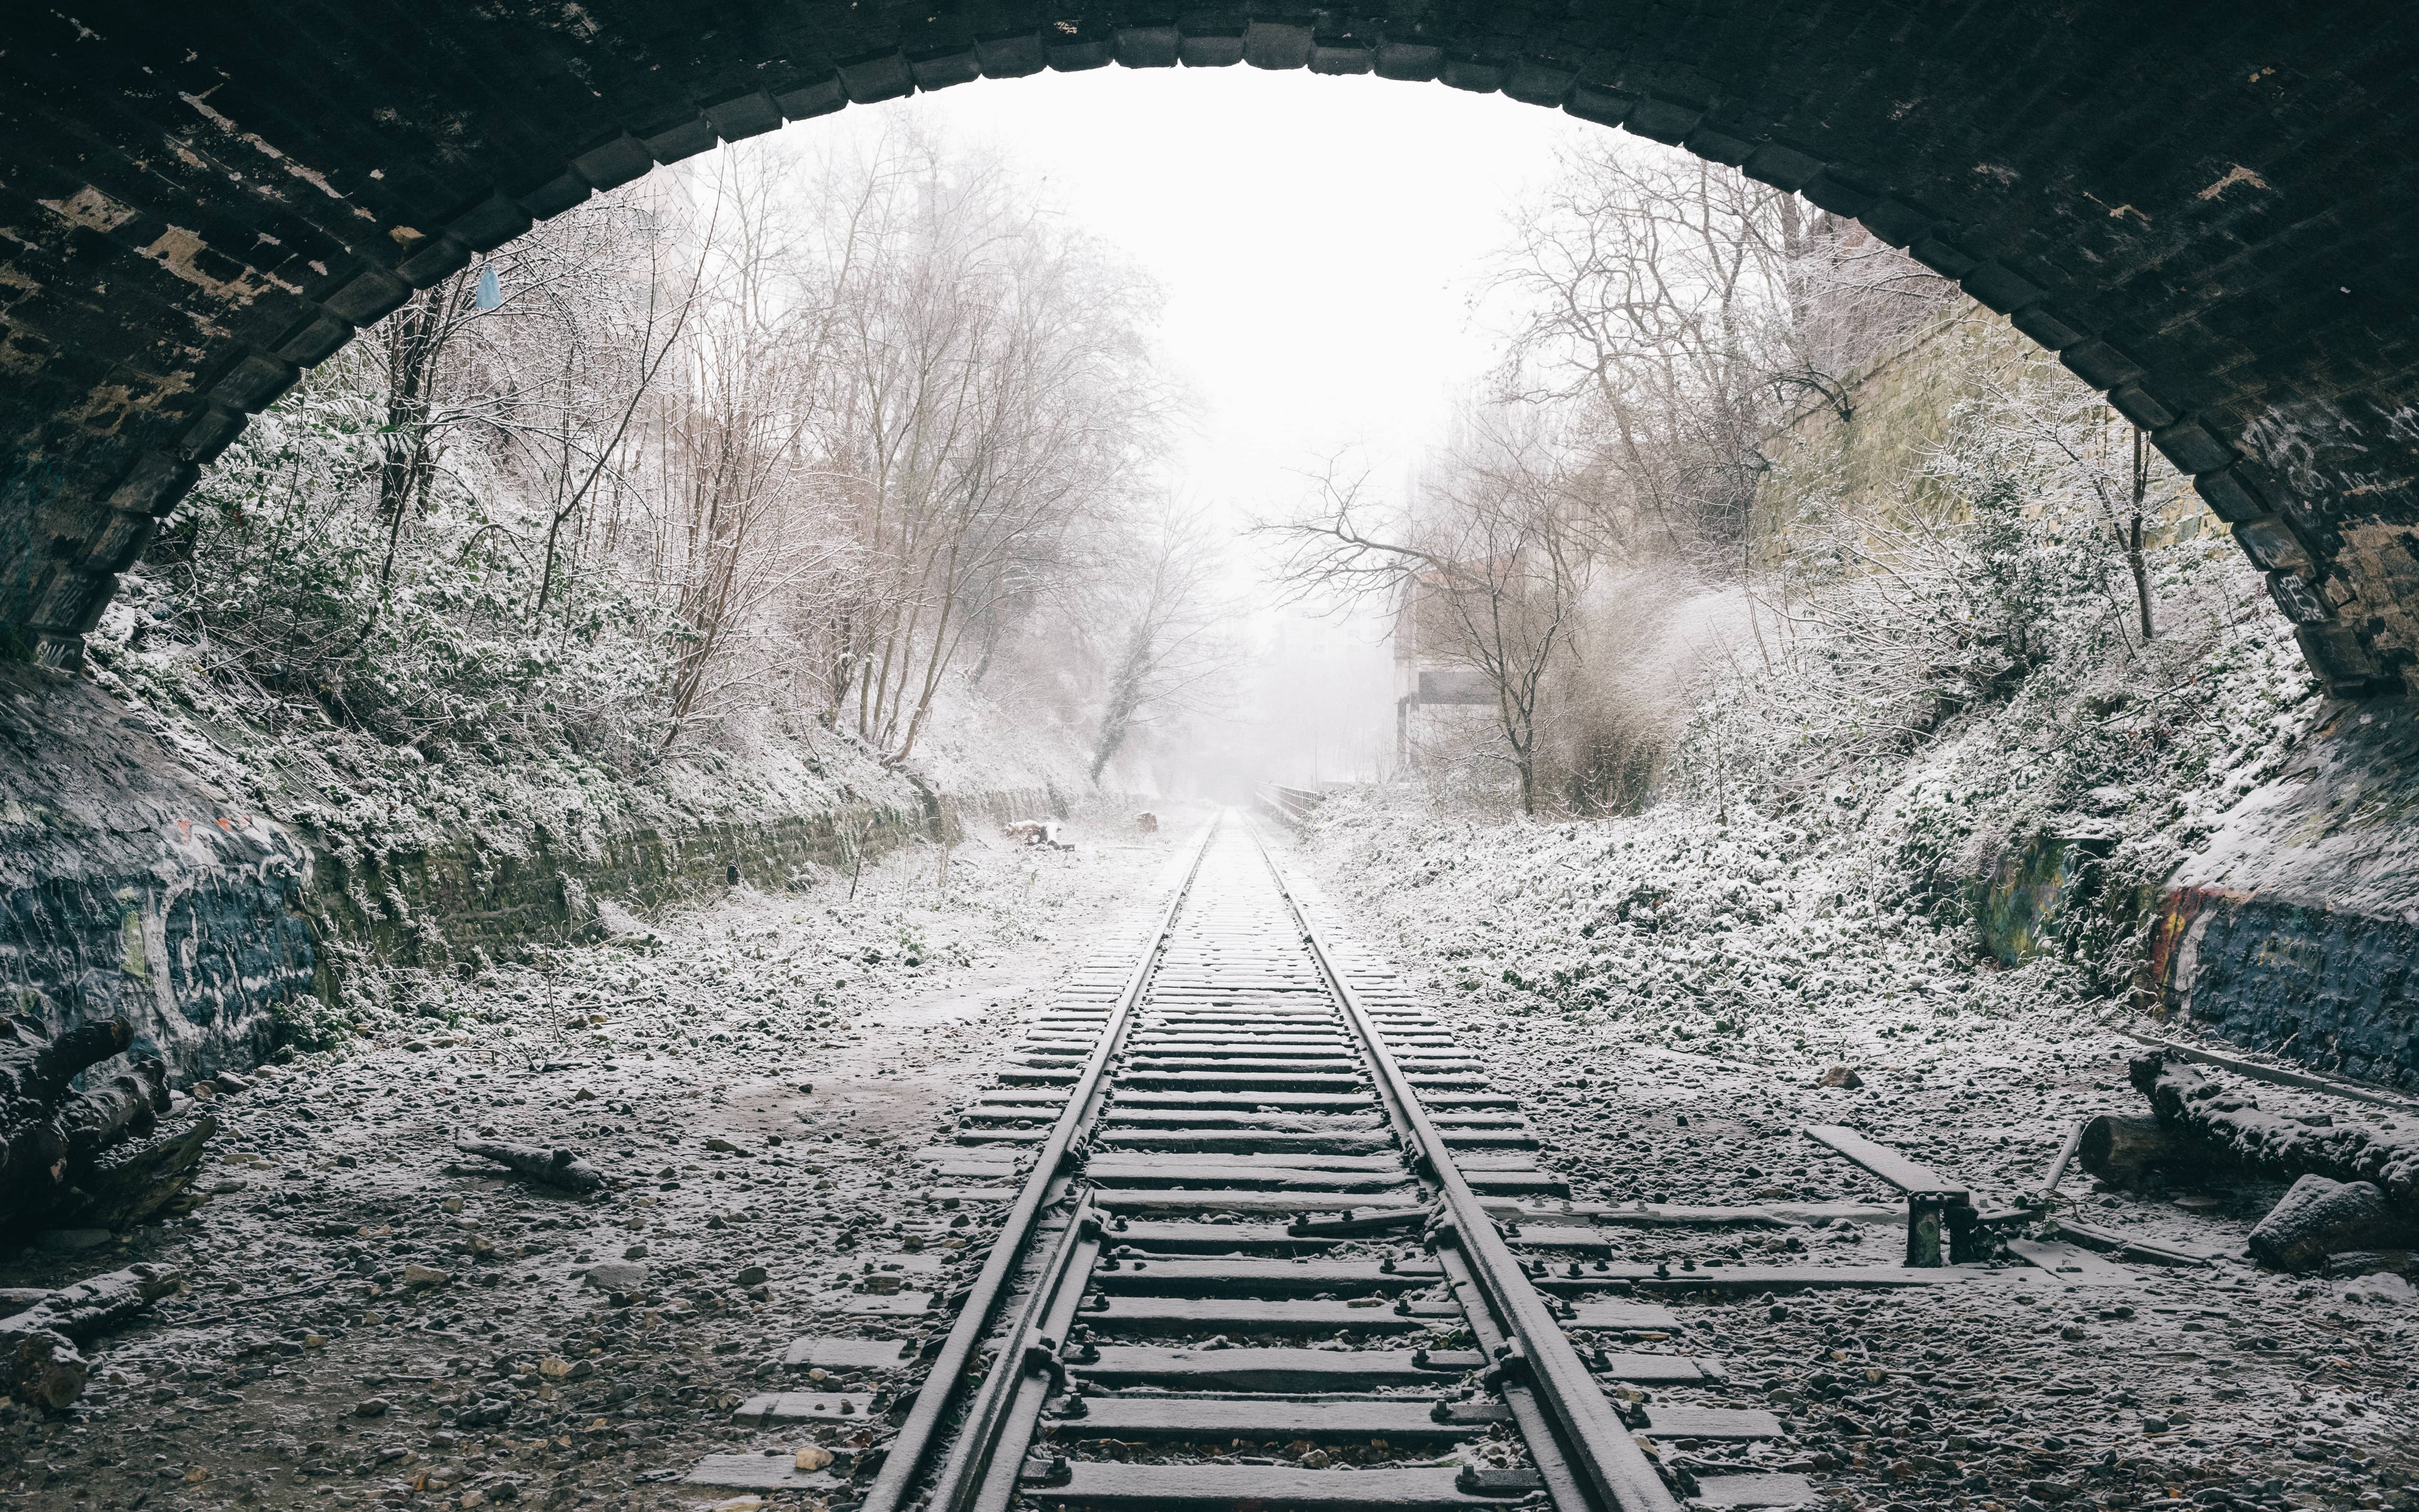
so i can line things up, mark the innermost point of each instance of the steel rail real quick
(908, 1453)
(1007, 1406)
(1598, 1444)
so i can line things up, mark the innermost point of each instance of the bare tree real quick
(1171, 650)
(1493, 562)
(989, 396)
(2087, 447)
(1679, 307)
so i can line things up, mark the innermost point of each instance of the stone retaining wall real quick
(130, 884)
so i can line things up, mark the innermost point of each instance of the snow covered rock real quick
(2317, 1218)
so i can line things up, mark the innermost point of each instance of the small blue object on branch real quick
(490, 293)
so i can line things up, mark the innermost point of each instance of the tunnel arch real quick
(2205, 212)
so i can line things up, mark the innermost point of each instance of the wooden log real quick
(38, 1359)
(555, 1167)
(135, 1182)
(124, 1106)
(36, 1065)
(44, 1129)
(90, 1308)
(2296, 1134)
(2130, 1152)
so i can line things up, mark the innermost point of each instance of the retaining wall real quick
(132, 885)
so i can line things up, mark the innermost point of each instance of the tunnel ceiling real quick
(2205, 210)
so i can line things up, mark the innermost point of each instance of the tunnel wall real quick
(2296, 930)
(131, 883)
(2205, 209)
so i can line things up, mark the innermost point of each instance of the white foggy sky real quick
(1318, 240)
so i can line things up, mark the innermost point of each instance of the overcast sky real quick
(1320, 240)
(1316, 237)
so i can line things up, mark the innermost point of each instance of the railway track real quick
(1246, 1260)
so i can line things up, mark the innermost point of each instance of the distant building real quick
(1430, 669)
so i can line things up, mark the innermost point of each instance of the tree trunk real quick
(38, 1359)
(2130, 1153)
(555, 1167)
(2299, 1135)
(60, 1151)
(2318, 1218)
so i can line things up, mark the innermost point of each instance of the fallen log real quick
(555, 1167)
(2133, 1153)
(36, 1065)
(2296, 1134)
(138, 1180)
(38, 1359)
(54, 1142)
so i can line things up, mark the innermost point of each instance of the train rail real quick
(1247, 1259)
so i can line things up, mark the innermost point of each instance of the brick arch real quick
(2205, 210)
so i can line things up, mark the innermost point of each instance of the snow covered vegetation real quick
(1825, 636)
(843, 454)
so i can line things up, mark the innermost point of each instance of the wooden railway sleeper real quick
(1565, 1413)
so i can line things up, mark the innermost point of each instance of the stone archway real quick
(2205, 210)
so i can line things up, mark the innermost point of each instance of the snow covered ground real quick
(365, 1323)
(1664, 994)
(756, 1074)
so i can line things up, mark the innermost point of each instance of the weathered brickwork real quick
(2296, 927)
(2205, 209)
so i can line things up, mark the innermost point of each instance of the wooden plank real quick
(1403, 1420)
(1125, 1199)
(1898, 1170)
(1238, 1141)
(897, 1304)
(1276, 1369)
(1244, 1315)
(1799, 1278)
(1095, 1487)
(775, 1472)
(1234, 1081)
(1129, 1100)
(973, 1171)
(1142, 1067)
(805, 1406)
(1515, 1183)
(1618, 1314)
(1728, 1423)
(1218, 1239)
(1489, 1138)
(2071, 1262)
(814, 1353)
(2132, 1246)
(1774, 1488)
(949, 1196)
(1146, 1165)
(1246, 1047)
(1360, 1119)
(1650, 1369)
(1265, 1278)
(1112, 1172)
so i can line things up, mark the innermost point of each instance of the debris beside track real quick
(356, 1327)
(1684, 1063)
